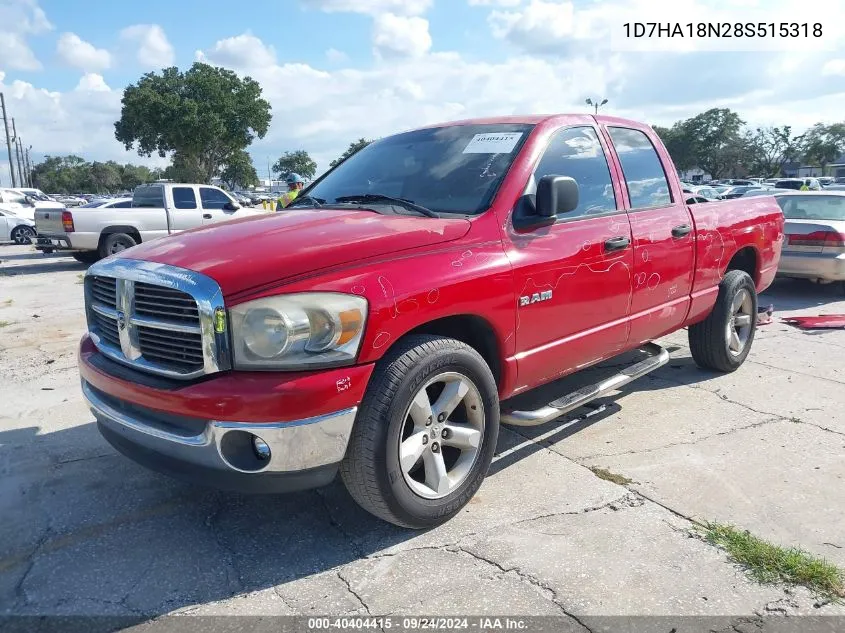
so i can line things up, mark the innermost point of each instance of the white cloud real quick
(154, 49)
(834, 67)
(241, 51)
(370, 7)
(336, 56)
(400, 36)
(76, 52)
(15, 54)
(92, 82)
(24, 16)
(494, 3)
(18, 19)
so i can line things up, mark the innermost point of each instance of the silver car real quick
(814, 242)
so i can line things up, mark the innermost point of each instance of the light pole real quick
(596, 104)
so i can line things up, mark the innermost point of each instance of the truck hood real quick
(256, 251)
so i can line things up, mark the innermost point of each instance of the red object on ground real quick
(822, 322)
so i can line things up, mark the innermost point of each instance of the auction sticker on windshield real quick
(493, 143)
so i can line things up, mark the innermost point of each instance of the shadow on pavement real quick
(87, 531)
(44, 267)
(800, 294)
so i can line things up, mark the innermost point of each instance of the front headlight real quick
(311, 329)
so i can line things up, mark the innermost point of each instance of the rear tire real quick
(115, 243)
(87, 257)
(425, 433)
(723, 340)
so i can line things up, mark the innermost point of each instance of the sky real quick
(337, 70)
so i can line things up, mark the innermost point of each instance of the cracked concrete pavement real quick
(86, 531)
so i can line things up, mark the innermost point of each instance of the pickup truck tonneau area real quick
(270, 354)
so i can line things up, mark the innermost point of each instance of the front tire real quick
(722, 340)
(425, 434)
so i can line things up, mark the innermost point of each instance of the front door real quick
(573, 278)
(663, 232)
(214, 203)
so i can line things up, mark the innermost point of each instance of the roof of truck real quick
(531, 119)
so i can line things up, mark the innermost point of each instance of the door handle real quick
(616, 243)
(681, 230)
(207, 216)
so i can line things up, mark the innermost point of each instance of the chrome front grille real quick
(157, 318)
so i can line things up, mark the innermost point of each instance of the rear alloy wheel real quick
(23, 235)
(722, 340)
(425, 433)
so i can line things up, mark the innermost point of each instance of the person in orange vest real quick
(295, 184)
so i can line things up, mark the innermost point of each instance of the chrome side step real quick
(570, 402)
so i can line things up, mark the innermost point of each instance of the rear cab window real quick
(796, 207)
(148, 196)
(642, 169)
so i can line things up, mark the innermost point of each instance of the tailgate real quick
(48, 221)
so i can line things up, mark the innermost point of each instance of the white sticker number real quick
(493, 143)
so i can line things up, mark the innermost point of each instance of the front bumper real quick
(203, 432)
(825, 266)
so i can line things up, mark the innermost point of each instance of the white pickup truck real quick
(157, 210)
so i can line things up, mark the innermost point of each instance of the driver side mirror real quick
(556, 195)
(231, 206)
(29, 200)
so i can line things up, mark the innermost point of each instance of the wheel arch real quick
(118, 228)
(474, 330)
(746, 259)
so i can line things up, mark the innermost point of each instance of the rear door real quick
(185, 213)
(662, 228)
(574, 277)
(214, 203)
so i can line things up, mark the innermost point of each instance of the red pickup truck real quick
(379, 325)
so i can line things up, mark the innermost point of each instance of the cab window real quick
(576, 152)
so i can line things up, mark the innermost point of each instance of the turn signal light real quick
(67, 221)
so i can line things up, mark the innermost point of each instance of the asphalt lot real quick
(86, 531)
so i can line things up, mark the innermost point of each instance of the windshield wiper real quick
(316, 202)
(377, 197)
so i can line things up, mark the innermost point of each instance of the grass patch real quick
(7, 302)
(768, 563)
(796, 420)
(603, 473)
(80, 278)
(5, 323)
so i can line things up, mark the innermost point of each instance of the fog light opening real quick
(261, 449)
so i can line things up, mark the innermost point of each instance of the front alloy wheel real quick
(441, 439)
(425, 433)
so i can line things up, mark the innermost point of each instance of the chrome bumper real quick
(227, 446)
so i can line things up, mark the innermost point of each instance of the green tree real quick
(202, 115)
(133, 175)
(185, 168)
(769, 148)
(60, 174)
(354, 146)
(239, 171)
(298, 162)
(822, 144)
(102, 177)
(714, 140)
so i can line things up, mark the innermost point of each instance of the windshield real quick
(453, 169)
(812, 207)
